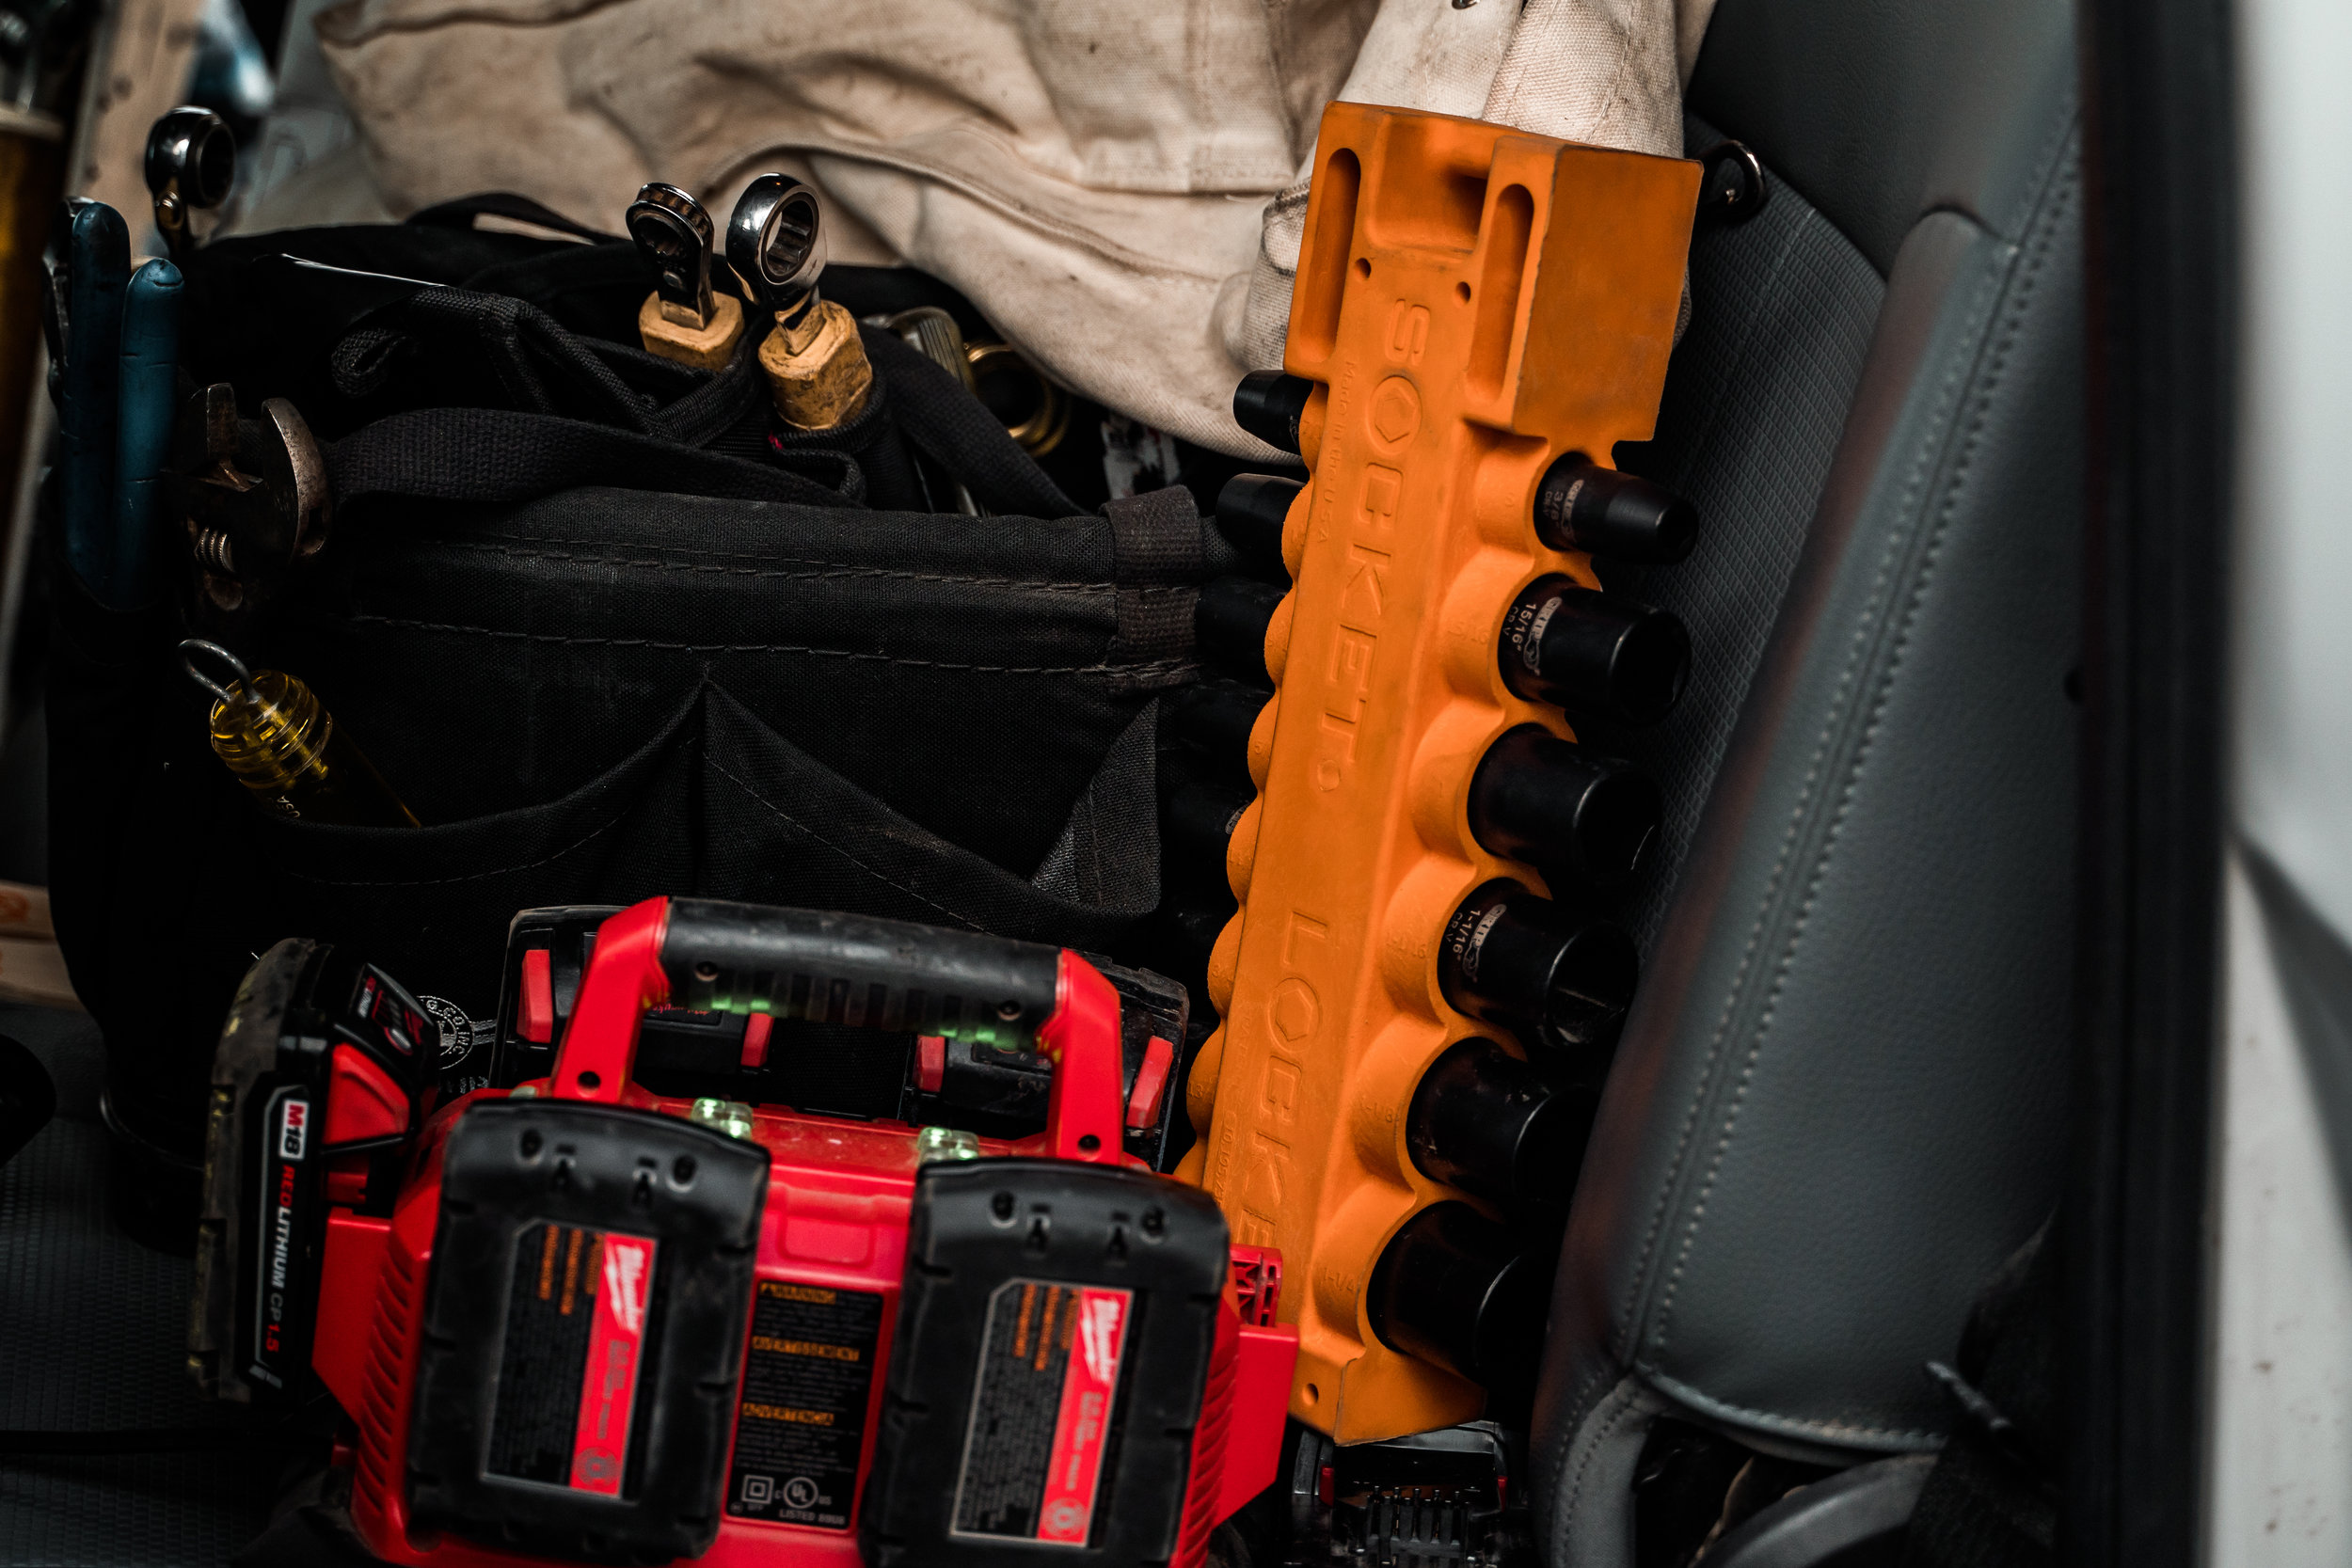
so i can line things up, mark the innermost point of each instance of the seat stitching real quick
(1827, 1431)
(1749, 326)
(1854, 767)
(1737, 989)
(2027, 280)
(1585, 1449)
(2054, 146)
(1637, 1280)
(2063, 126)
(1689, 1124)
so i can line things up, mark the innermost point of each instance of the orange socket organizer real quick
(1473, 303)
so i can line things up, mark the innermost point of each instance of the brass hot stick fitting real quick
(273, 733)
(818, 373)
(683, 318)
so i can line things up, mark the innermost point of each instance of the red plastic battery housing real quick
(835, 1226)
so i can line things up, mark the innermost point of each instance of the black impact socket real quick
(1582, 506)
(1451, 1288)
(1518, 961)
(1251, 510)
(1584, 820)
(1229, 623)
(1484, 1120)
(1269, 406)
(1594, 653)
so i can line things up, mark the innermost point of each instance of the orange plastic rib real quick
(1474, 302)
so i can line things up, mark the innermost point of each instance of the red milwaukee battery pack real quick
(615, 1251)
(322, 1065)
(579, 1321)
(1062, 1336)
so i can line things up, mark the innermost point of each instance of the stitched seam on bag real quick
(2025, 283)
(822, 569)
(843, 850)
(1165, 666)
(469, 877)
(1147, 619)
(1638, 1278)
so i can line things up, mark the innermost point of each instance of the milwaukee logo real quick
(1098, 1333)
(625, 1285)
(615, 1358)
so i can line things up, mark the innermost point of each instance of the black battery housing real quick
(512, 1166)
(981, 1225)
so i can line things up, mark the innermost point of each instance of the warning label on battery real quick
(576, 1331)
(806, 1380)
(1043, 1412)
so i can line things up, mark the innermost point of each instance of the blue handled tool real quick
(96, 275)
(144, 417)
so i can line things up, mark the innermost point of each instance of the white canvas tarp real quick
(1116, 184)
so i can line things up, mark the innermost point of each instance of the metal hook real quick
(194, 645)
(1732, 186)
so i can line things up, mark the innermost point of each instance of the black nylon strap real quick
(1158, 551)
(1158, 538)
(1992, 1499)
(956, 430)
(568, 268)
(535, 364)
(487, 454)
(559, 271)
(541, 365)
(700, 416)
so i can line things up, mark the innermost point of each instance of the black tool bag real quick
(607, 636)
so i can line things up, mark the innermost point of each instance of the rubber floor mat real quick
(92, 1330)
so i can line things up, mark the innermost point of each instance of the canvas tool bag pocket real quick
(606, 639)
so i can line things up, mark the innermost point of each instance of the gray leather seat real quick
(1840, 1099)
